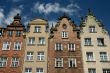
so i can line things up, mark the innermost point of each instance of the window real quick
(87, 41)
(41, 40)
(58, 47)
(18, 33)
(106, 70)
(3, 61)
(6, 45)
(39, 70)
(71, 47)
(28, 70)
(1, 32)
(64, 34)
(89, 56)
(31, 40)
(103, 56)
(10, 33)
(17, 46)
(91, 70)
(92, 29)
(15, 62)
(72, 62)
(29, 56)
(37, 29)
(40, 56)
(100, 41)
(58, 62)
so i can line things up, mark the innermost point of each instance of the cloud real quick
(2, 16)
(55, 8)
(11, 14)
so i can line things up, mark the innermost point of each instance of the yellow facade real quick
(35, 46)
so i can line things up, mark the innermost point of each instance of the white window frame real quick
(31, 40)
(40, 56)
(37, 29)
(3, 61)
(30, 56)
(91, 70)
(58, 62)
(39, 70)
(102, 57)
(92, 29)
(73, 61)
(71, 47)
(6, 44)
(90, 58)
(29, 70)
(17, 45)
(15, 62)
(42, 40)
(58, 47)
(64, 34)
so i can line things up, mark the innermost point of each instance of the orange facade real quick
(12, 46)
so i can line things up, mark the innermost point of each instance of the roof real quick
(38, 21)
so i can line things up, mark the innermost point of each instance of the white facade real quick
(95, 44)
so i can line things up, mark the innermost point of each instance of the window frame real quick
(64, 34)
(37, 29)
(87, 41)
(30, 56)
(58, 46)
(6, 45)
(28, 71)
(90, 58)
(91, 70)
(18, 45)
(40, 56)
(92, 29)
(103, 58)
(3, 61)
(71, 46)
(39, 70)
(58, 62)
(73, 61)
(15, 60)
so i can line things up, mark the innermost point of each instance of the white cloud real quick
(11, 14)
(55, 8)
(2, 16)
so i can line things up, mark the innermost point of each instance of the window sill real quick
(58, 67)
(93, 32)
(36, 32)
(101, 45)
(31, 44)
(40, 61)
(64, 37)
(29, 61)
(105, 61)
(88, 45)
(90, 61)
(41, 44)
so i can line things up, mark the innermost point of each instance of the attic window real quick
(64, 26)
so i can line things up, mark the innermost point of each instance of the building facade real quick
(95, 44)
(12, 46)
(64, 51)
(36, 47)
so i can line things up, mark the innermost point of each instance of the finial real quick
(90, 12)
(17, 16)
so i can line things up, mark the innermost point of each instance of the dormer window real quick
(64, 34)
(37, 29)
(92, 29)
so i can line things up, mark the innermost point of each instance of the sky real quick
(52, 9)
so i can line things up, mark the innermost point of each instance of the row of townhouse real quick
(66, 48)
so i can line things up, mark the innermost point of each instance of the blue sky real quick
(52, 9)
